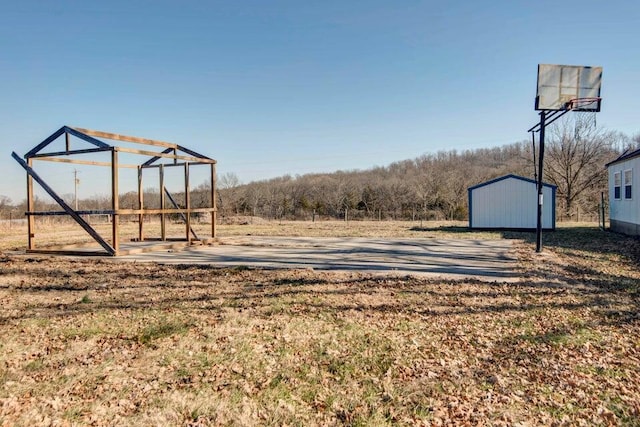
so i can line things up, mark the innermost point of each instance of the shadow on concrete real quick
(483, 259)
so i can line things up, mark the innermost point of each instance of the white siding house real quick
(624, 203)
(511, 202)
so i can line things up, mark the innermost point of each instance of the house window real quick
(627, 183)
(617, 183)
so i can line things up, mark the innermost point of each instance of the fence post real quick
(604, 225)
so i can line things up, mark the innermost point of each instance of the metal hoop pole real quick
(543, 116)
(533, 150)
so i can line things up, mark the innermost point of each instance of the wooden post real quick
(31, 243)
(140, 206)
(187, 201)
(163, 218)
(604, 225)
(67, 143)
(115, 202)
(214, 214)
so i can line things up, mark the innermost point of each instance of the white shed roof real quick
(522, 178)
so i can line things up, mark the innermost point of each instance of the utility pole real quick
(76, 181)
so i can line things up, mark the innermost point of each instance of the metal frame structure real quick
(177, 156)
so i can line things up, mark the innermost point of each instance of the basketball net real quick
(584, 110)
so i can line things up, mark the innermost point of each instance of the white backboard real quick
(559, 84)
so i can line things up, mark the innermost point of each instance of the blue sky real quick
(292, 87)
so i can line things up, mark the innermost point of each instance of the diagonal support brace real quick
(85, 225)
(184, 218)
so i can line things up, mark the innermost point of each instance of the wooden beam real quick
(76, 250)
(145, 211)
(165, 155)
(31, 224)
(73, 161)
(140, 206)
(115, 202)
(118, 137)
(67, 143)
(64, 205)
(79, 245)
(148, 211)
(145, 165)
(174, 245)
(163, 218)
(214, 214)
(66, 252)
(187, 202)
(173, 239)
(58, 213)
(82, 162)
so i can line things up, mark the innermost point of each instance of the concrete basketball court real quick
(453, 258)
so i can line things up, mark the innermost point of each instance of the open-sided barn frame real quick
(171, 155)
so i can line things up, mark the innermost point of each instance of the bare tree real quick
(5, 205)
(227, 193)
(4, 202)
(575, 156)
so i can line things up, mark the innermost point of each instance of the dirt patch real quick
(243, 220)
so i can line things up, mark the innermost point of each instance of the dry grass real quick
(68, 233)
(404, 229)
(102, 342)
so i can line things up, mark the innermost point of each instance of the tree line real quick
(434, 186)
(429, 187)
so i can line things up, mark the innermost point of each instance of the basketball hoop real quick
(584, 104)
(561, 89)
(585, 110)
